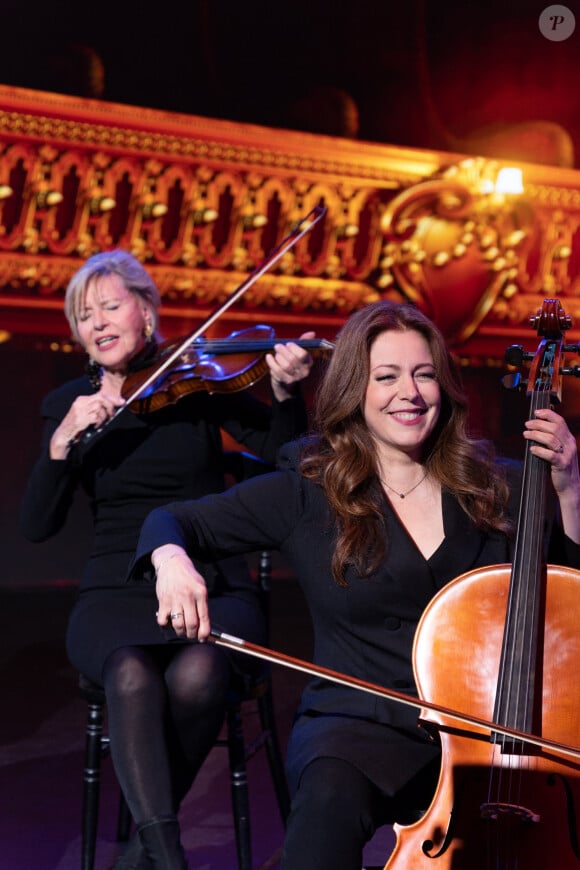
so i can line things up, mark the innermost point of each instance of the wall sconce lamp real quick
(203, 216)
(153, 210)
(254, 221)
(509, 181)
(48, 198)
(346, 231)
(101, 204)
(5, 191)
(486, 180)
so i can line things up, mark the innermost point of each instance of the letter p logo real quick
(557, 23)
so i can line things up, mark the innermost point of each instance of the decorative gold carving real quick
(185, 148)
(201, 202)
(451, 251)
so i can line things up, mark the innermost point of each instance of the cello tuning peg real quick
(515, 355)
(574, 370)
(513, 381)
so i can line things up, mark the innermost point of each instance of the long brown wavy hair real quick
(342, 456)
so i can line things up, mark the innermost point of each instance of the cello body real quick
(496, 809)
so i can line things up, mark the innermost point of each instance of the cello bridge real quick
(496, 810)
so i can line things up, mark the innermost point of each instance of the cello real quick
(503, 803)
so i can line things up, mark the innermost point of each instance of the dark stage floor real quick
(41, 746)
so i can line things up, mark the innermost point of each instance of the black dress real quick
(136, 464)
(365, 629)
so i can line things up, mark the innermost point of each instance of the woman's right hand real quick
(85, 411)
(181, 593)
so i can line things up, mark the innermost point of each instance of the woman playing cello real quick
(383, 506)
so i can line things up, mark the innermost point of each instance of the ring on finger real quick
(559, 448)
(175, 615)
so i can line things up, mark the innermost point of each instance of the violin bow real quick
(296, 233)
(220, 638)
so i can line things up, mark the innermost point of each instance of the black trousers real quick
(337, 809)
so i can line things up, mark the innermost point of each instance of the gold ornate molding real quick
(202, 201)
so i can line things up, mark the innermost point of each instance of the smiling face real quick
(112, 322)
(403, 399)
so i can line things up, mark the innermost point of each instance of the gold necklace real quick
(409, 491)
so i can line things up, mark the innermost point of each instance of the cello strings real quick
(524, 612)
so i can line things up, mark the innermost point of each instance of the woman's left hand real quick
(181, 593)
(288, 365)
(550, 439)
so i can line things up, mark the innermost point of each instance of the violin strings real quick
(233, 345)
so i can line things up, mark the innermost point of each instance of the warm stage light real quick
(509, 181)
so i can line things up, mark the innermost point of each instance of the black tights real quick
(165, 707)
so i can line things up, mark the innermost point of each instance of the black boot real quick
(160, 839)
(134, 857)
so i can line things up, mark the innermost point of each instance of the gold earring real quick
(148, 331)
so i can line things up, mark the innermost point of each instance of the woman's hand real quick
(85, 411)
(288, 365)
(181, 592)
(552, 440)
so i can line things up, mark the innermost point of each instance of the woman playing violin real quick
(384, 505)
(165, 700)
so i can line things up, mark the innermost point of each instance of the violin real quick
(173, 352)
(221, 365)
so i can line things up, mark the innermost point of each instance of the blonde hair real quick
(132, 273)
